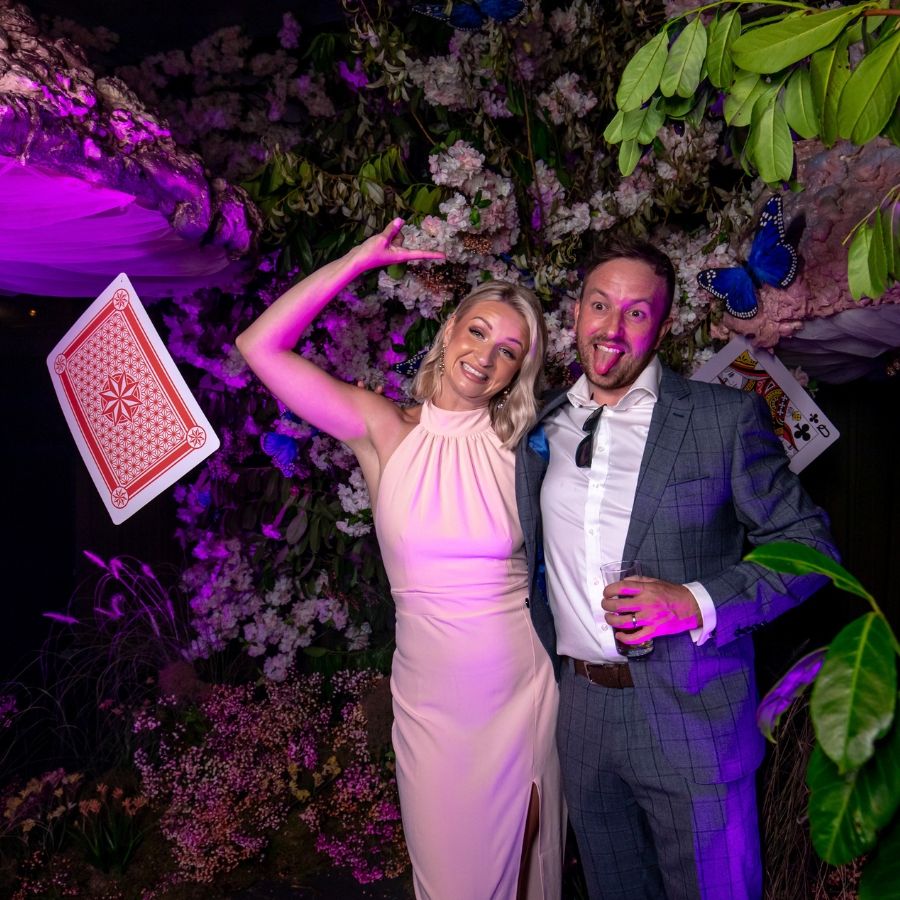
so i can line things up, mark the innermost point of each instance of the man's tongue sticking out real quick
(604, 358)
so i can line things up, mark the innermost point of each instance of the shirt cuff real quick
(707, 613)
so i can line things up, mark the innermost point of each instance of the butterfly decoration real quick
(773, 260)
(282, 444)
(471, 15)
(409, 367)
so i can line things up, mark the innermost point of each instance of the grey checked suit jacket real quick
(713, 477)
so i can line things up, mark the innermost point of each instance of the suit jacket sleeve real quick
(772, 505)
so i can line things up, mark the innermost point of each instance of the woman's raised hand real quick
(269, 347)
(386, 249)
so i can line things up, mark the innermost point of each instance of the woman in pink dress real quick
(474, 697)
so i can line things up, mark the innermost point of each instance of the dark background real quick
(146, 28)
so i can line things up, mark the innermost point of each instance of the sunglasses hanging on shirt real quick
(584, 452)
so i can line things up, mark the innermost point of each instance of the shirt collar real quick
(645, 389)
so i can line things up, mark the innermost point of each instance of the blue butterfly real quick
(772, 261)
(282, 447)
(283, 450)
(409, 367)
(470, 15)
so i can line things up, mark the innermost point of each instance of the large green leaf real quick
(743, 96)
(829, 70)
(853, 700)
(858, 274)
(769, 143)
(774, 47)
(641, 76)
(613, 131)
(881, 876)
(641, 125)
(846, 812)
(723, 32)
(800, 105)
(788, 688)
(629, 154)
(681, 73)
(799, 559)
(869, 97)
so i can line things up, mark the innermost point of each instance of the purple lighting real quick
(92, 184)
(64, 237)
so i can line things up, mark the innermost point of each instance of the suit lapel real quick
(668, 426)
(531, 467)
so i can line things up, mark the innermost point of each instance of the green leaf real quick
(800, 105)
(846, 812)
(786, 690)
(396, 271)
(681, 73)
(745, 93)
(829, 71)
(869, 97)
(515, 99)
(373, 190)
(723, 32)
(641, 125)
(297, 528)
(881, 876)
(877, 257)
(641, 76)
(892, 130)
(889, 224)
(852, 704)
(613, 131)
(306, 256)
(629, 154)
(798, 559)
(697, 112)
(427, 201)
(858, 274)
(772, 48)
(769, 142)
(676, 107)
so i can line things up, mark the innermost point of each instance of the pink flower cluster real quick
(224, 791)
(353, 805)
(223, 795)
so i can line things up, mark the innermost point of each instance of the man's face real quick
(619, 323)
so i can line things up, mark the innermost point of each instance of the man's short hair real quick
(642, 251)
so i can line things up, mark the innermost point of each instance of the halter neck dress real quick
(475, 701)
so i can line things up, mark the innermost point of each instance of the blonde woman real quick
(474, 697)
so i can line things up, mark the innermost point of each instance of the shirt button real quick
(604, 627)
(596, 581)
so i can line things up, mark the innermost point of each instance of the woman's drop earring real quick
(441, 360)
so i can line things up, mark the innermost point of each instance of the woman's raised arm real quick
(341, 410)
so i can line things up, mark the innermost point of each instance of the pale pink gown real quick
(475, 702)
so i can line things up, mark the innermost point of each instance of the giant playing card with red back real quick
(138, 427)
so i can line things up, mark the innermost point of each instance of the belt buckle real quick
(588, 667)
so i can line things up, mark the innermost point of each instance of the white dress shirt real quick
(586, 513)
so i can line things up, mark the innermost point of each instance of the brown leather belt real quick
(617, 675)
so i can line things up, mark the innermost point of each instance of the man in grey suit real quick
(658, 753)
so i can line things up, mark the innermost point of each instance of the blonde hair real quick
(512, 413)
